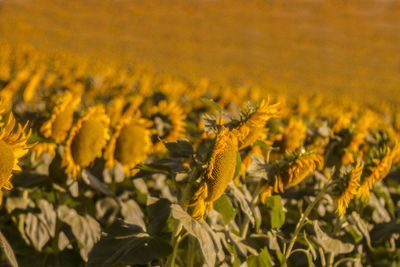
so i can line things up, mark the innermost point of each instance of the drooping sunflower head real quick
(13, 138)
(346, 187)
(130, 143)
(219, 172)
(86, 140)
(378, 168)
(252, 122)
(294, 168)
(169, 119)
(61, 118)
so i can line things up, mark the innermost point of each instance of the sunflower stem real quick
(301, 223)
(191, 252)
(245, 225)
(175, 240)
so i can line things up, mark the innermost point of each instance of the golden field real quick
(324, 46)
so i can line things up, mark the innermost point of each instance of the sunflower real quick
(378, 171)
(350, 188)
(130, 143)
(12, 147)
(86, 140)
(116, 109)
(342, 122)
(33, 84)
(219, 173)
(172, 113)
(49, 148)
(61, 118)
(253, 120)
(293, 135)
(291, 171)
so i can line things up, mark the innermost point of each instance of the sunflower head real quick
(169, 119)
(252, 122)
(86, 141)
(13, 138)
(219, 173)
(346, 187)
(130, 143)
(378, 168)
(294, 168)
(61, 119)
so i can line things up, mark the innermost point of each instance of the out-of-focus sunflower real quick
(348, 188)
(253, 120)
(13, 146)
(58, 125)
(86, 140)
(291, 171)
(115, 110)
(342, 121)
(61, 118)
(173, 114)
(219, 173)
(130, 143)
(293, 135)
(33, 84)
(378, 170)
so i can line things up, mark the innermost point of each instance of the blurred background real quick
(333, 47)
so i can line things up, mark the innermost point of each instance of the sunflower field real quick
(108, 165)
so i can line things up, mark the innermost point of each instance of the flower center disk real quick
(6, 162)
(131, 144)
(88, 143)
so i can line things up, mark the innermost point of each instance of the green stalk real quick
(301, 223)
(191, 252)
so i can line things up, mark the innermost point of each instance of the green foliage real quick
(277, 216)
(224, 206)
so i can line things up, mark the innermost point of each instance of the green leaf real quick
(38, 139)
(196, 229)
(106, 209)
(330, 244)
(8, 251)
(211, 103)
(39, 227)
(263, 259)
(383, 192)
(361, 225)
(243, 202)
(277, 215)
(158, 211)
(85, 229)
(224, 206)
(235, 260)
(127, 244)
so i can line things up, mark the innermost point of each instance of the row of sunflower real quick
(164, 166)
